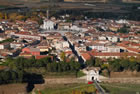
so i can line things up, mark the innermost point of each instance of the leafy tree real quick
(14, 76)
(122, 64)
(125, 64)
(20, 62)
(20, 75)
(5, 16)
(1, 80)
(117, 67)
(59, 68)
(20, 17)
(12, 16)
(124, 29)
(98, 62)
(1, 15)
(90, 62)
(63, 56)
(55, 67)
(6, 76)
(49, 67)
(105, 66)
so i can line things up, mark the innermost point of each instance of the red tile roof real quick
(68, 52)
(86, 56)
(25, 53)
(24, 33)
(114, 54)
(41, 56)
(134, 50)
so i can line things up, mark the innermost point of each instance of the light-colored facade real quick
(4, 45)
(99, 47)
(48, 25)
(92, 73)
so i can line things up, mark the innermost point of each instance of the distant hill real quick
(125, 1)
(85, 0)
(8, 2)
(17, 1)
(131, 1)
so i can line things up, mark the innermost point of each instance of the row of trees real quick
(50, 66)
(117, 65)
(12, 16)
(20, 76)
(80, 14)
(22, 63)
(96, 62)
(35, 16)
(15, 72)
(9, 76)
(16, 69)
(63, 67)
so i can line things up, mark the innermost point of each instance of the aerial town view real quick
(69, 46)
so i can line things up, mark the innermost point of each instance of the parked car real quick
(90, 82)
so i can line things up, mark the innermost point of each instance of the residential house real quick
(4, 45)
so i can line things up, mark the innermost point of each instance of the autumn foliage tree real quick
(20, 17)
(12, 16)
(1, 15)
(63, 56)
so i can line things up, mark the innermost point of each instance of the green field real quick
(117, 88)
(69, 89)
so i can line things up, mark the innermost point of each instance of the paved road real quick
(99, 88)
(80, 59)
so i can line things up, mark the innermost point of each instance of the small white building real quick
(61, 45)
(65, 44)
(92, 73)
(121, 21)
(75, 28)
(16, 45)
(113, 38)
(48, 25)
(99, 47)
(113, 49)
(102, 38)
(2, 38)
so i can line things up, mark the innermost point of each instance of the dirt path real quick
(13, 89)
(134, 80)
